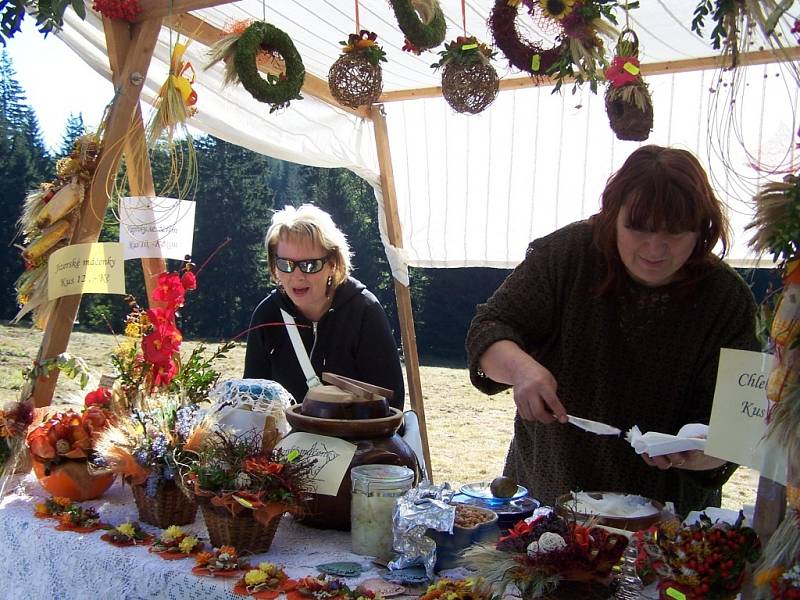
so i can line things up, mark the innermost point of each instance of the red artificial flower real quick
(581, 536)
(616, 73)
(169, 290)
(164, 373)
(159, 345)
(100, 397)
(94, 419)
(258, 465)
(189, 280)
(520, 529)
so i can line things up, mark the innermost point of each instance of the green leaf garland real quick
(275, 91)
(422, 36)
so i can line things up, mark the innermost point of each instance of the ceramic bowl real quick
(564, 507)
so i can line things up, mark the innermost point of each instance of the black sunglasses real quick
(308, 265)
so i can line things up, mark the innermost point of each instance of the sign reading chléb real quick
(86, 268)
(156, 227)
(738, 418)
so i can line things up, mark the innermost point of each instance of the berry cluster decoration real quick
(628, 102)
(469, 81)
(706, 560)
(124, 10)
(356, 78)
(422, 22)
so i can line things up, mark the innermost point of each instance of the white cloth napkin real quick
(690, 437)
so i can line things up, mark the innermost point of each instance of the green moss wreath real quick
(275, 91)
(422, 36)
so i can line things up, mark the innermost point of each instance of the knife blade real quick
(593, 426)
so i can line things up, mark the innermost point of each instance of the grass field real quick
(456, 413)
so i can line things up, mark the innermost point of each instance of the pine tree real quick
(74, 129)
(13, 103)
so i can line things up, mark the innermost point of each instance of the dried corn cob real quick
(60, 205)
(46, 240)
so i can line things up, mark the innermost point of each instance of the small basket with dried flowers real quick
(244, 486)
(628, 103)
(174, 543)
(265, 582)
(127, 534)
(356, 78)
(469, 81)
(61, 449)
(549, 556)
(705, 560)
(222, 562)
(157, 393)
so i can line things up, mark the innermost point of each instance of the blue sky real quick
(56, 82)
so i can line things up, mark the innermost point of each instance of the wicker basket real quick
(243, 531)
(168, 507)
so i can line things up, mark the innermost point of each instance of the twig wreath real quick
(421, 33)
(275, 91)
(578, 52)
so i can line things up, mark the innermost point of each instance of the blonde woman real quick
(341, 325)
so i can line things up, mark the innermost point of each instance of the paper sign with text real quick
(156, 227)
(738, 418)
(86, 268)
(333, 458)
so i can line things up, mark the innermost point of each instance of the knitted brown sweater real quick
(643, 356)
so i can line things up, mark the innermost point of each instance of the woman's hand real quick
(534, 386)
(691, 460)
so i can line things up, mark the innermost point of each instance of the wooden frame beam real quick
(159, 9)
(402, 292)
(136, 43)
(200, 31)
(761, 57)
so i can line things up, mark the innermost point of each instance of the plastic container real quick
(376, 489)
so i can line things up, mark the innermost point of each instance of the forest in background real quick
(237, 193)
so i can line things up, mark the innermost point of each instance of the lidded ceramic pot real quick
(360, 414)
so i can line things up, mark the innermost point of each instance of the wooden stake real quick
(139, 40)
(402, 292)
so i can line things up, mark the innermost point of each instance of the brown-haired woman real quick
(618, 319)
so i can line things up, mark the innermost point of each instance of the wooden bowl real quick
(565, 509)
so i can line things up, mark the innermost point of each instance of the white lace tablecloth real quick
(39, 563)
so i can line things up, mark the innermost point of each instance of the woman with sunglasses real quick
(618, 319)
(342, 327)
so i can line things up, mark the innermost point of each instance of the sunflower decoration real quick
(469, 81)
(628, 103)
(556, 9)
(261, 47)
(356, 78)
(579, 51)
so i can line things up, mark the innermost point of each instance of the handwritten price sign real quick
(86, 268)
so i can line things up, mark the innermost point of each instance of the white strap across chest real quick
(300, 350)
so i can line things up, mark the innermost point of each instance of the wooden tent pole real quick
(402, 292)
(140, 172)
(141, 43)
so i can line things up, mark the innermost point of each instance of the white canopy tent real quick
(454, 190)
(474, 190)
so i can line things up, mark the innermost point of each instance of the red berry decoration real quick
(123, 10)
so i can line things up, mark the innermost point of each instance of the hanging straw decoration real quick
(628, 103)
(356, 78)
(48, 219)
(777, 231)
(469, 81)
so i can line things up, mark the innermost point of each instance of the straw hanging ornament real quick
(356, 78)
(469, 81)
(628, 103)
